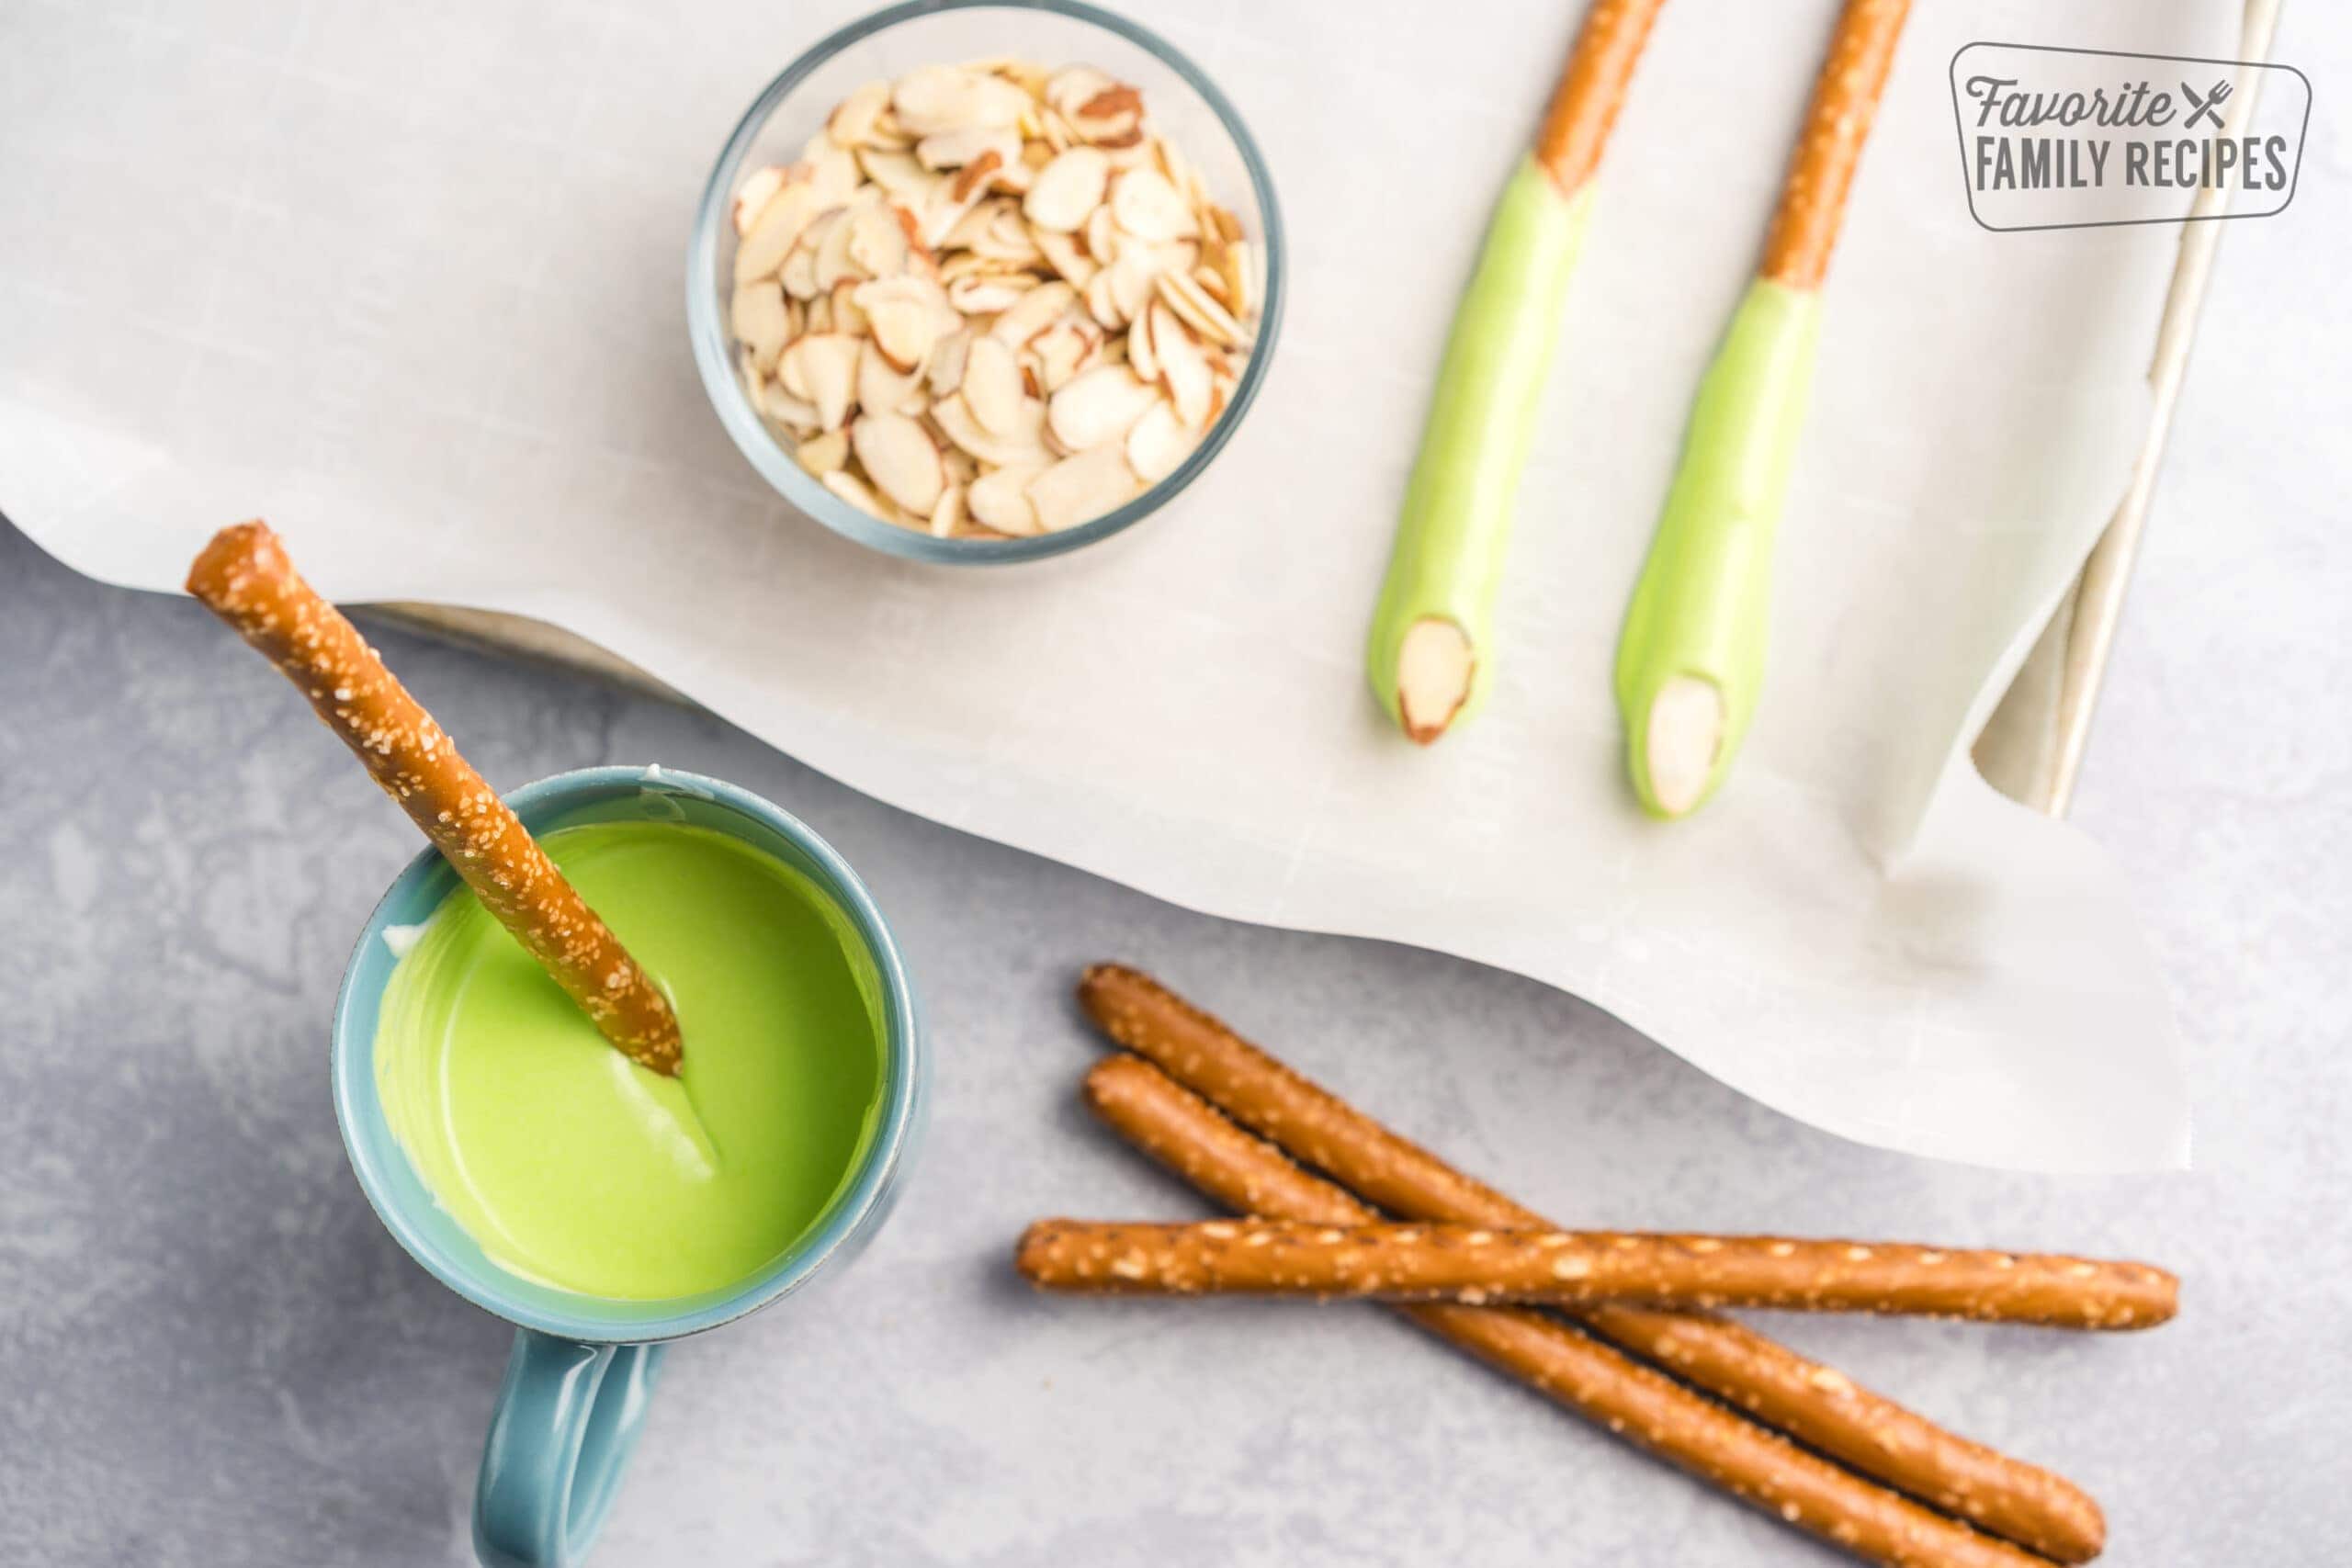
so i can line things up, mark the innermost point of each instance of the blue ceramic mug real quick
(584, 1366)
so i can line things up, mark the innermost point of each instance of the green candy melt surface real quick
(571, 1165)
(1702, 606)
(1455, 528)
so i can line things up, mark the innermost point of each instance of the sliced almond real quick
(853, 119)
(798, 274)
(950, 202)
(1145, 205)
(961, 465)
(1236, 261)
(825, 365)
(847, 316)
(948, 359)
(1062, 350)
(1006, 236)
(832, 171)
(820, 455)
(1066, 190)
(898, 173)
(753, 194)
(1196, 309)
(1183, 368)
(992, 385)
(1081, 488)
(1159, 443)
(759, 320)
(773, 232)
(1102, 237)
(1099, 407)
(948, 514)
(842, 483)
(1119, 292)
(1066, 254)
(1075, 84)
(819, 313)
(1140, 357)
(877, 244)
(934, 98)
(1168, 161)
(1025, 445)
(835, 261)
(1685, 735)
(883, 387)
(899, 459)
(796, 414)
(953, 148)
(755, 386)
(1033, 312)
(999, 500)
(907, 315)
(1435, 665)
(986, 293)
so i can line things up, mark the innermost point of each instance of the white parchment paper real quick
(407, 281)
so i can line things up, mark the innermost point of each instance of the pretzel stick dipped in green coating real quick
(1431, 656)
(1690, 659)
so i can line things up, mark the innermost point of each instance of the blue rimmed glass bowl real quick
(1184, 105)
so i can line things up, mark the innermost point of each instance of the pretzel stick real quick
(1646, 1408)
(1430, 656)
(243, 576)
(1592, 88)
(1836, 122)
(1473, 1264)
(1816, 1404)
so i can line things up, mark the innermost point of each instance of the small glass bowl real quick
(1184, 105)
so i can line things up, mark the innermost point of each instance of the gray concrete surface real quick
(210, 1354)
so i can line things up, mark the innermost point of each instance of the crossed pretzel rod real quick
(1786, 1434)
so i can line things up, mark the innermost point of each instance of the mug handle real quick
(568, 1416)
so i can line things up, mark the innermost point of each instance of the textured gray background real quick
(210, 1354)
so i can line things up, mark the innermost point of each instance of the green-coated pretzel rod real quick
(1690, 659)
(1430, 655)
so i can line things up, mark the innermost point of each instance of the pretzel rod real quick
(1183, 1132)
(1470, 1263)
(244, 577)
(1816, 1404)
(1837, 123)
(1592, 88)
(1430, 657)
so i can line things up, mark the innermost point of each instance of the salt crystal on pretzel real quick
(243, 576)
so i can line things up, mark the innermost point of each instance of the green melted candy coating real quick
(1702, 606)
(572, 1166)
(1454, 530)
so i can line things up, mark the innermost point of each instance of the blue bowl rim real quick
(850, 1212)
(715, 362)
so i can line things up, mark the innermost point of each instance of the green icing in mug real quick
(572, 1166)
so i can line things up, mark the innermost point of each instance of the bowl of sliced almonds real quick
(985, 280)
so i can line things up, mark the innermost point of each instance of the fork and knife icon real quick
(2206, 108)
